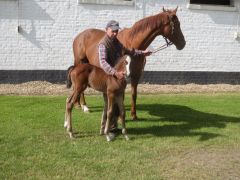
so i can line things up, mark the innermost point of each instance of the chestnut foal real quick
(83, 75)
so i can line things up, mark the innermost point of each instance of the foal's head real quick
(123, 64)
(172, 29)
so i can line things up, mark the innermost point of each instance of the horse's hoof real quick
(134, 117)
(85, 109)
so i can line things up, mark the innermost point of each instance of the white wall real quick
(48, 28)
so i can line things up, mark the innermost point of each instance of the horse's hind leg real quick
(122, 115)
(133, 100)
(83, 103)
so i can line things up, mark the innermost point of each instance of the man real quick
(110, 50)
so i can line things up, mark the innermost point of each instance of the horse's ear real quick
(175, 10)
(163, 9)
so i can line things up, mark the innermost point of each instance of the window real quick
(110, 2)
(213, 2)
(220, 5)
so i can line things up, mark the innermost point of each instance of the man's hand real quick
(120, 74)
(147, 52)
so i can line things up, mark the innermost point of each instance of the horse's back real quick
(88, 35)
(84, 44)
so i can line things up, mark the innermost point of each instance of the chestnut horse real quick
(83, 75)
(139, 36)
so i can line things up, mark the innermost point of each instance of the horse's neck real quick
(143, 36)
(145, 40)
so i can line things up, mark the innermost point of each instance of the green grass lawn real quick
(181, 136)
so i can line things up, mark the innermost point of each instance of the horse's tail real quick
(69, 81)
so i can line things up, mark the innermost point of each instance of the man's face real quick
(112, 33)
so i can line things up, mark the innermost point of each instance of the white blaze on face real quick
(128, 59)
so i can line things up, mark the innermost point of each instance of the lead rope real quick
(168, 43)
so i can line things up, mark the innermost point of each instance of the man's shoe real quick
(116, 130)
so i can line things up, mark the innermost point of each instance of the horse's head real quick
(123, 64)
(172, 30)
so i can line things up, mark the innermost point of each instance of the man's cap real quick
(114, 25)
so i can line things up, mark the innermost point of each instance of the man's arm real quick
(136, 52)
(102, 60)
(104, 64)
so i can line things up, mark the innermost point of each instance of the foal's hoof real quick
(126, 137)
(71, 135)
(101, 132)
(110, 137)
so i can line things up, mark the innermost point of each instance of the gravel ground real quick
(46, 88)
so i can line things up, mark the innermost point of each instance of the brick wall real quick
(47, 29)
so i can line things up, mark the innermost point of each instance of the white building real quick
(36, 38)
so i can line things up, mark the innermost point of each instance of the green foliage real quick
(180, 136)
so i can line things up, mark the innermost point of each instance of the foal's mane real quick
(120, 61)
(148, 22)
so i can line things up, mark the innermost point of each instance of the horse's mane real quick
(148, 22)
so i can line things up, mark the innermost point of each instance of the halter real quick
(168, 43)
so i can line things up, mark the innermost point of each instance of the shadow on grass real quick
(179, 121)
(78, 134)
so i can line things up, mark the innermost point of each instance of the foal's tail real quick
(69, 81)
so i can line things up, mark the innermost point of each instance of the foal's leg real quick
(83, 103)
(104, 114)
(109, 117)
(122, 115)
(68, 114)
(80, 58)
(69, 106)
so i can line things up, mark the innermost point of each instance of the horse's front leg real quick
(122, 115)
(136, 68)
(104, 114)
